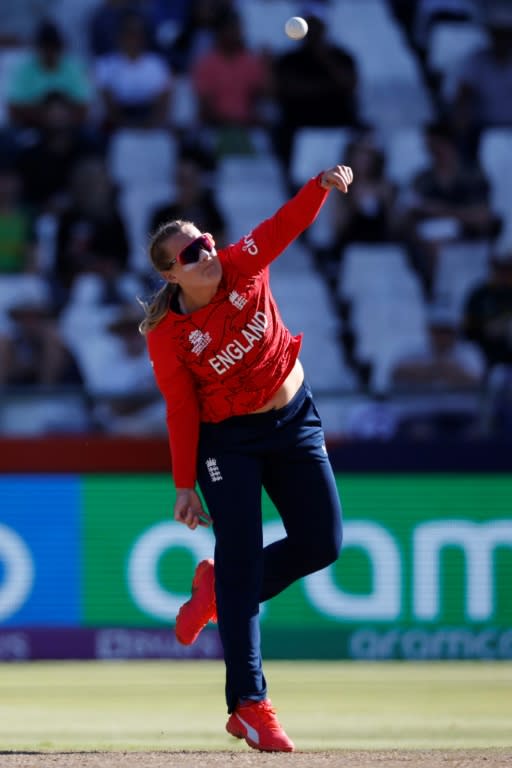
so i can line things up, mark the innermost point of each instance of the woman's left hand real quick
(189, 509)
(340, 177)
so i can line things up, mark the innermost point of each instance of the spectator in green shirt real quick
(47, 68)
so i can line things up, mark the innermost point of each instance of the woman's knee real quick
(332, 549)
(325, 552)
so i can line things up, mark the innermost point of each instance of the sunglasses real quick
(191, 254)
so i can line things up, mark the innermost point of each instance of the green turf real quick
(323, 705)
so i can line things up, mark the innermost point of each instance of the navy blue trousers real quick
(283, 451)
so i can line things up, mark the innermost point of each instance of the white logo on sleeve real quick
(213, 470)
(199, 341)
(237, 300)
(249, 245)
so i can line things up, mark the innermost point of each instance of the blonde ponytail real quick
(157, 308)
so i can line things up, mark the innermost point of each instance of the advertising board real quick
(425, 570)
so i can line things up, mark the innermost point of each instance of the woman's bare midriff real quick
(286, 391)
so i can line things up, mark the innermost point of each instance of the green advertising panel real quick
(425, 570)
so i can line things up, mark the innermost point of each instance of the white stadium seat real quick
(460, 266)
(316, 148)
(137, 203)
(450, 42)
(184, 108)
(248, 189)
(386, 329)
(263, 23)
(381, 269)
(406, 153)
(137, 156)
(392, 89)
(496, 160)
(387, 307)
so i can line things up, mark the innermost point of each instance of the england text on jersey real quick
(236, 349)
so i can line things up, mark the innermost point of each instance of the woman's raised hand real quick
(340, 177)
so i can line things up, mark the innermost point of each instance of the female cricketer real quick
(241, 418)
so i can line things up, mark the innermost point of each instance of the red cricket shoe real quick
(256, 722)
(195, 614)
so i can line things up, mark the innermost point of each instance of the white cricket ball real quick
(296, 27)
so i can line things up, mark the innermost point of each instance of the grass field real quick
(153, 706)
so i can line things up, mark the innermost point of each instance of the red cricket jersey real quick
(229, 357)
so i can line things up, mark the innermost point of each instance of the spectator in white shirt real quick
(134, 82)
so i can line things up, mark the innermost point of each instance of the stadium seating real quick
(429, 12)
(22, 288)
(31, 415)
(461, 265)
(306, 307)
(183, 108)
(385, 330)
(137, 156)
(137, 202)
(383, 297)
(496, 160)
(392, 89)
(387, 312)
(449, 42)
(316, 148)
(376, 269)
(143, 164)
(248, 189)
(263, 22)
(406, 153)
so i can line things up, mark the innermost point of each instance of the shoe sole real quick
(241, 735)
(187, 639)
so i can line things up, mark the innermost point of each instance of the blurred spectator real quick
(45, 69)
(231, 82)
(316, 85)
(483, 85)
(446, 201)
(168, 17)
(197, 35)
(45, 164)
(425, 13)
(105, 24)
(16, 227)
(18, 18)
(135, 83)
(32, 353)
(446, 363)
(366, 214)
(120, 379)
(437, 377)
(163, 19)
(488, 312)
(193, 202)
(499, 406)
(91, 235)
